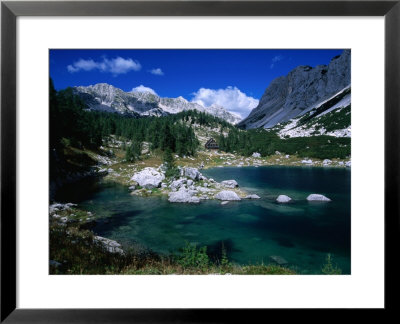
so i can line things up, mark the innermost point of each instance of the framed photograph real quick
(163, 158)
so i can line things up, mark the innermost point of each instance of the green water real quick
(252, 231)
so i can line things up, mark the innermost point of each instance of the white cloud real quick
(275, 59)
(115, 66)
(230, 98)
(142, 88)
(157, 71)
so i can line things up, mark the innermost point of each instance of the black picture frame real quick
(10, 10)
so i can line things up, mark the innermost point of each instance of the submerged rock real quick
(278, 259)
(148, 178)
(224, 202)
(317, 197)
(229, 184)
(283, 199)
(227, 195)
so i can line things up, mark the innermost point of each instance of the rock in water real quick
(230, 184)
(283, 199)
(192, 173)
(148, 178)
(317, 197)
(224, 202)
(227, 195)
(253, 196)
(183, 196)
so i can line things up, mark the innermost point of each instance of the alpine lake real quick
(298, 234)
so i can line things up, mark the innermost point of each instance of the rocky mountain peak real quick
(105, 97)
(298, 92)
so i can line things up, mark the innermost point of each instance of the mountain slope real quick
(331, 117)
(108, 98)
(297, 93)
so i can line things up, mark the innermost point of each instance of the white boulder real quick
(307, 161)
(148, 178)
(109, 245)
(229, 184)
(317, 197)
(227, 195)
(256, 155)
(348, 164)
(283, 199)
(183, 196)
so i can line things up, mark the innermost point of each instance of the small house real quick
(211, 144)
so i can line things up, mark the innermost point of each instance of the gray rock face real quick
(148, 178)
(293, 95)
(192, 173)
(283, 199)
(227, 195)
(105, 97)
(229, 184)
(317, 197)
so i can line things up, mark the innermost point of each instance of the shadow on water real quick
(107, 225)
(214, 250)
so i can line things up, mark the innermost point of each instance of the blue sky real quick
(235, 79)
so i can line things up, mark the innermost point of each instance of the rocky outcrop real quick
(148, 178)
(109, 245)
(317, 197)
(301, 90)
(192, 173)
(229, 184)
(183, 196)
(227, 195)
(283, 199)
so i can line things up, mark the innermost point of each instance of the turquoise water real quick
(252, 231)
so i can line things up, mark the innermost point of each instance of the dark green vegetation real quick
(71, 125)
(266, 143)
(324, 107)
